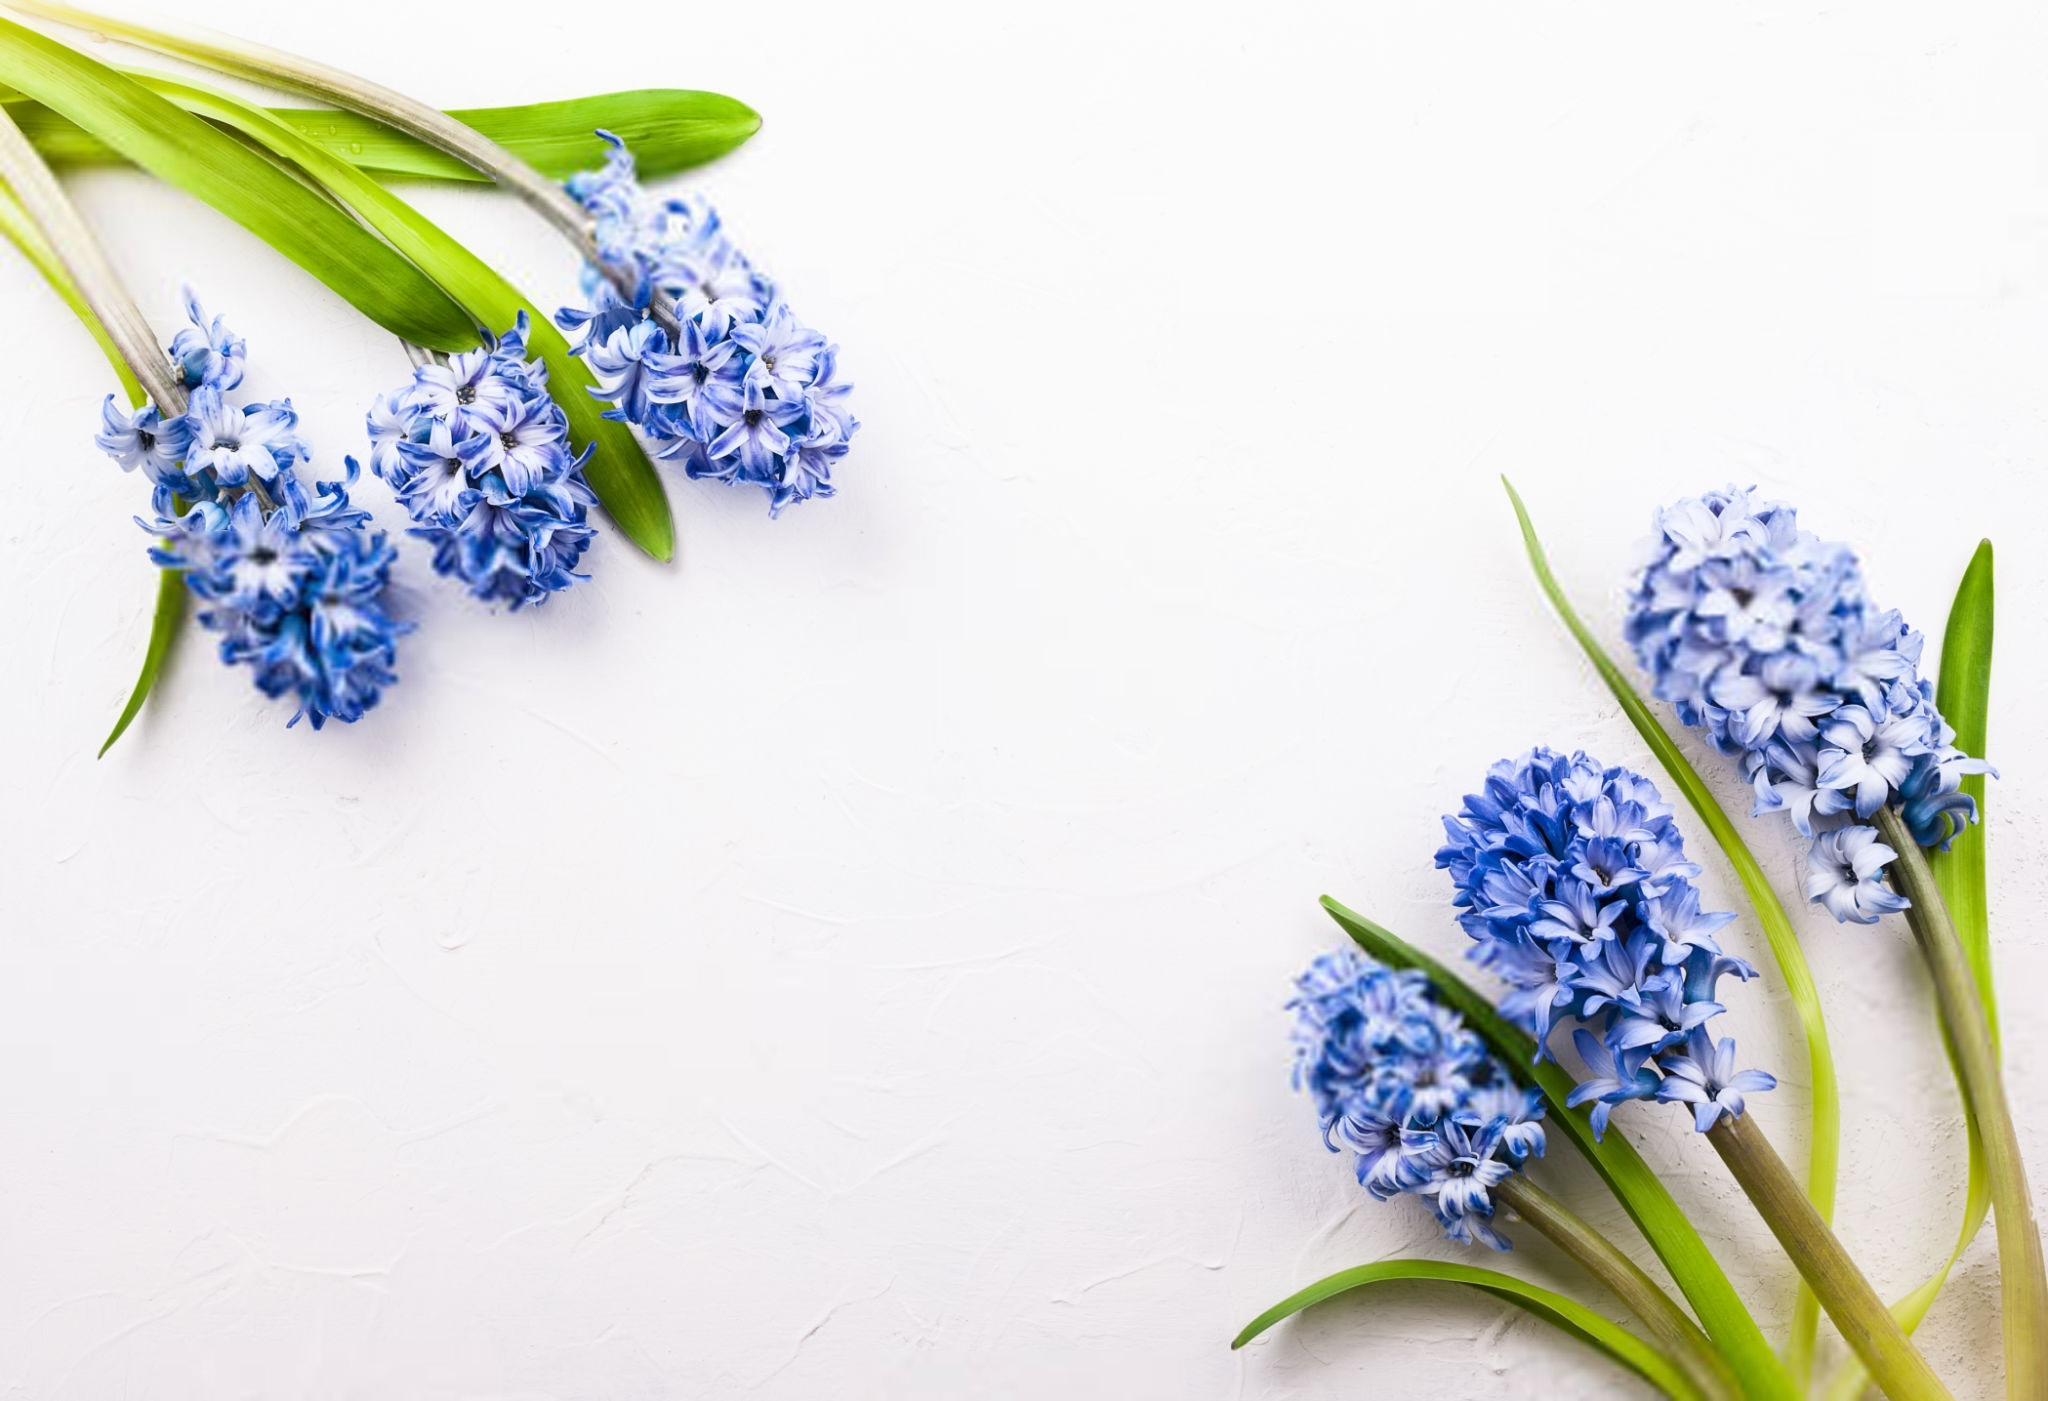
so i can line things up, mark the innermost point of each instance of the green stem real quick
(416, 119)
(1824, 1152)
(57, 220)
(2023, 1290)
(1681, 1338)
(1851, 1303)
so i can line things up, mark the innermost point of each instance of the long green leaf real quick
(1566, 1315)
(668, 129)
(1698, 1275)
(1964, 699)
(1824, 1155)
(163, 631)
(170, 588)
(182, 150)
(619, 472)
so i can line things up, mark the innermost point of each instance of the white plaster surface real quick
(848, 962)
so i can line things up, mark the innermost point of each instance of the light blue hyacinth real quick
(478, 452)
(294, 585)
(1762, 634)
(738, 389)
(1399, 1080)
(1571, 878)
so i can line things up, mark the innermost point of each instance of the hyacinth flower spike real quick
(1586, 863)
(293, 584)
(1763, 635)
(734, 387)
(1400, 1082)
(478, 453)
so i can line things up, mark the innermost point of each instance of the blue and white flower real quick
(1572, 881)
(741, 391)
(1399, 1080)
(1762, 634)
(294, 586)
(478, 452)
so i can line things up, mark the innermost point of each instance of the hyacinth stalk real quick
(1670, 1325)
(1977, 1072)
(416, 119)
(1572, 881)
(1851, 1303)
(1766, 637)
(50, 210)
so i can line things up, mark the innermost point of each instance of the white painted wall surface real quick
(848, 962)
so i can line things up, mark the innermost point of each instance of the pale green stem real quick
(1844, 1293)
(1681, 1338)
(58, 221)
(416, 119)
(15, 226)
(2023, 1290)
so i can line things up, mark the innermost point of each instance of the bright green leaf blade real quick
(1567, 1315)
(182, 150)
(1823, 1162)
(163, 630)
(1698, 1275)
(618, 471)
(668, 129)
(1964, 699)
(170, 591)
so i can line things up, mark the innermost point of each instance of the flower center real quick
(465, 394)
(508, 440)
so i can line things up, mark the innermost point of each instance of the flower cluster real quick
(294, 586)
(1399, 1079)
(214, 450)
(1761, 634)
(1572, 880)
(478, 452)
(742, 391)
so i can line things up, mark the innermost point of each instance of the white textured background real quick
(848, 962)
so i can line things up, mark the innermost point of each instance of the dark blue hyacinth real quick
(1572, 880)
(743, 391)
(1762, 634)
(1399, 1080)
(295, 586)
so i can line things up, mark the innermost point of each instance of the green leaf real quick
(182, 150)
(618, 471)
(170, 588)
(1566, 1315)
(163, 630)
(1964, 698)
(668, 129)
(1698, 1275)
(1824, 1156)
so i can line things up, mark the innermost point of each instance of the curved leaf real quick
(1649, 1204)
(182, 150)
(163, 630)
(1566, 1315)
(170, 586)
(1964, 699)
(618, 471)
(1824, 1156)
(669, 129)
